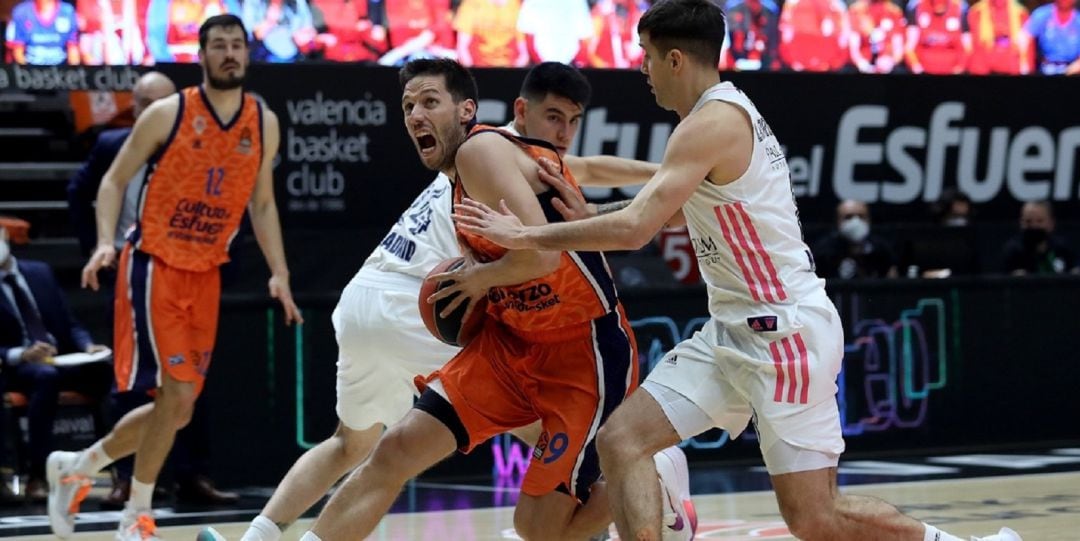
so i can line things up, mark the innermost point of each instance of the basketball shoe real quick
(209, 534)
(137, 526)
(66, 491)
(680, 517)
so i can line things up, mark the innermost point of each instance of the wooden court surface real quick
(1043, 507)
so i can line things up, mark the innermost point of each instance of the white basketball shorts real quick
(382, 345)
(786, 381)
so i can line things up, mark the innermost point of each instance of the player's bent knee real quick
(354, 446)
(614, 444)
(390, 458)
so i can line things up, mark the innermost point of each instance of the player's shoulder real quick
(160, 109)
(486, 143)
(714, 115)
(269, 117)
(717, 121)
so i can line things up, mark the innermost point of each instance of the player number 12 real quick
(214, 178)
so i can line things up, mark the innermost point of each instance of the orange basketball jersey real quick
(198, 184)
(580, 290)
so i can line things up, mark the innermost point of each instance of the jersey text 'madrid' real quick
(422, 237)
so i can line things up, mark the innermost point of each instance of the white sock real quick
(262, 529)
(934, 534)
(92, 460)
(310, 536)
(141, 496)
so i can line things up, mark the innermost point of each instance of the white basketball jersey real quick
(747, 236)
(422, 238)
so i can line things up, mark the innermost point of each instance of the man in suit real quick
(35, 325)
(189, 462)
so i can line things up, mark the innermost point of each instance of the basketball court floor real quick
(1036, 492)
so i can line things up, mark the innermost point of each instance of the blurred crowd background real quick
(869, 36)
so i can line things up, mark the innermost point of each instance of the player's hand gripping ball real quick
(463, 324)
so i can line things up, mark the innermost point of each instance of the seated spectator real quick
(1036, 249)
(487, 34)
(938, 40)
(946, 247)
(35, 325)
(282, 30)
(998, 43)
(852, 251)
(418, 29)
(172, 26)
(877, 35)
(754, 30)
(814, 35)
(556, 30)
(1055, 27)
(42, 32)
(953, 209)
(350, 31)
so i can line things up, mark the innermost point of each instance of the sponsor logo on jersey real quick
(199, 124)
(761, 323)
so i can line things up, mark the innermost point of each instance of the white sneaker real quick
(66, 491)
(209, 534)
(137, 527)
(680, 517)
(1004, 534)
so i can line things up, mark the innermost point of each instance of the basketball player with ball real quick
(555, 345)
(382, 342)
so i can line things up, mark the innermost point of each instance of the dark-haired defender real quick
(209, 151)
(773, 347)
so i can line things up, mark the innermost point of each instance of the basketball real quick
(463, 323)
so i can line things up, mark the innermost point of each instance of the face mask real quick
(5, 251)
(1034, 236)
(854, 229)
(956, 221)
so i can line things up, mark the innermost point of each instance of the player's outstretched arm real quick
(149, 134)
(610, 171)
(267, 225)
(572, 205)
(701, 143)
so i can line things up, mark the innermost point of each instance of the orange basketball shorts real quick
(166, 322)
(501, 381)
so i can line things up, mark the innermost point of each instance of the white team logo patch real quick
(63, 25)
(952, 24)
(199, 124)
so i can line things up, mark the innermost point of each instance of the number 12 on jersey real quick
(214, 177)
